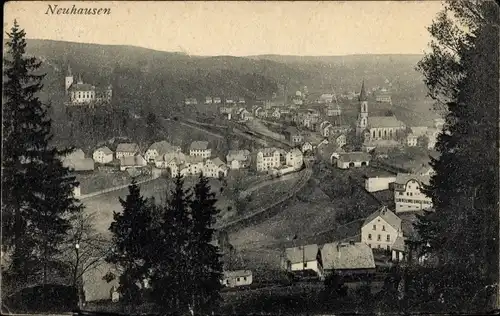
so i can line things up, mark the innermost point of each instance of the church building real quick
(80, 93)
(375, 129)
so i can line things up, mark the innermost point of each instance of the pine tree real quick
(464, 190)
(133, 242)
(206, 268)
(37, 191)
(170, 269)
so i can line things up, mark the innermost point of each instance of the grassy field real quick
(311, 216)
(99, 180)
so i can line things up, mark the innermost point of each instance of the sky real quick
(238, 28)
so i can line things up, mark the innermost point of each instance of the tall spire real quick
(69, 71)
(362, 94)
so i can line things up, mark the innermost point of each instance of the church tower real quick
(363, 111)
(69, 79)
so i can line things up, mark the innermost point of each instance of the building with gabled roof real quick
(408, 194)
(353, 159)
(200, 149)
(103, 155)
(126, 150)
(301, 258)
(136, 161)
(237, 278)
(159, 150)
(347, 258)
(381, 229)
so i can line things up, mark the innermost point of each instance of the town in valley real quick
(319, 169)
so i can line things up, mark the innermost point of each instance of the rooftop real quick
(137, 160)
(302, 253)
(347, 256)
(127, 147)
(237, 273)
(78, 164)
(403, 178)
(354, 156)
(163, 147)
(384, 121)
(387, 215)
(199, 145)
(105, 150)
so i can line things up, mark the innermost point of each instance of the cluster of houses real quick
(382, 230)
(216, 100)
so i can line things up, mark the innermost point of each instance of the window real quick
(245, 278)
(378, 246)
(305, 264)
(238, 280)
(379, 238)
(388, 247)
(374, 227)
(369, 236)
(370, 245)
(383, 228)
(388, 237)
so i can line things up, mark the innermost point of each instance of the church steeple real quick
(362, 94)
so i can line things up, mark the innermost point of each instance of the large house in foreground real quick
(347, 258)
(381, 229)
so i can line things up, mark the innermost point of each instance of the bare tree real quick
(84, 250)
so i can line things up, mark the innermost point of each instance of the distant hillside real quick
(144, 77)
(344, 73)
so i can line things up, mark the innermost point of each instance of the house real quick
(401, 246)
(159, 150)
(244, 114)
(163, 162)
(325, 98)
(126, 150)
(190, 101)
(214, 168)
(241, 100)
(237, 278)
(79, 165)
(333, 110)
(230, 101)
(217, 100)
(238, 159)
(411, 140)
(303, 258)
(77, 162)
(381, 229)
(208, 100)
(307, 146)
(329, 152)
(294, 159)
(103, 155)
(383, 96)
(407, 192)
(347, 258)
(267, 158)
(200, 149)
(276, 114)
(339, 138)
(378, 181)
(76, 154)
(294, 135)
(226, 110)
(353, 159)
(136, 161)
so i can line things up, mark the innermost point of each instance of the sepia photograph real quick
(250, 158)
